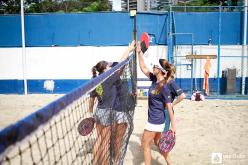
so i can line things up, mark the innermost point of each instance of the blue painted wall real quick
(110, 29)
(204, 26)
(78, 29)
(11, 86)
(115, 28)
(65, 86)
(10, 31)
(37, 86)
(97, 29)
(60, 86)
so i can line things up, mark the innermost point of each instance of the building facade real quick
(146, 5)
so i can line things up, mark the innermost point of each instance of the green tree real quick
(43, 6)
(9, 6)
(98, 6)
(201, 3)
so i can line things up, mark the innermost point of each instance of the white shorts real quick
(155, 127)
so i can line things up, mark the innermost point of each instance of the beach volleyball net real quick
(50, 135)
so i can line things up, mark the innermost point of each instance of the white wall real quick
(61, 62)
(76, 62)
(10, 63)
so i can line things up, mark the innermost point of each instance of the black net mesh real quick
(50, 135)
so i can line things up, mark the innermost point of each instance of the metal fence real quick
(228, 73)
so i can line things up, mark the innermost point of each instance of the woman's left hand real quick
(131, 46)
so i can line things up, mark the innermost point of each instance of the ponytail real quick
(94, 73)
(173, 71)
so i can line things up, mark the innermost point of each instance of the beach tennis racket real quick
(144, 42)
(86, 126)
(167, 141)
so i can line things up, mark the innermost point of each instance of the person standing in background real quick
(207, 67)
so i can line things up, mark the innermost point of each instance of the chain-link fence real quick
(214, 67)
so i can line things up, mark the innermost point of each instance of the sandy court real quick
(203, 128)
(15, 107)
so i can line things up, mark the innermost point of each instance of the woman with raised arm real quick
(103, 116)
(158, 99)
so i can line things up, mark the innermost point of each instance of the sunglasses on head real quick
(158, 67)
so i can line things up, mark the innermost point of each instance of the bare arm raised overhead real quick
(128, 50)
(142, 64)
